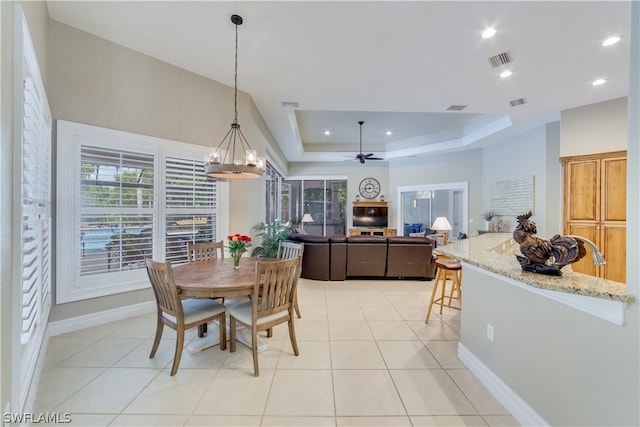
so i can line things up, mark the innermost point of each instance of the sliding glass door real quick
(316, 205)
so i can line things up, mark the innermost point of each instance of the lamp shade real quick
(307, 218)
(441, 224)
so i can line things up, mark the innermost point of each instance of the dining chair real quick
(288, 250)
(178, 314)
(205, 251)
(273, 306)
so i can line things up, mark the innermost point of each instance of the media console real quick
(386, 232)
(370, 219)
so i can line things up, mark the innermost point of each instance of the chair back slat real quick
(288, 250)
(277, 290)
(164, 287)
(205, 251)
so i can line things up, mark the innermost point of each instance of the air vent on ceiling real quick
(501, 59)
(517, 102)
(456, 107)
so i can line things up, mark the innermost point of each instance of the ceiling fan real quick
(363, 157)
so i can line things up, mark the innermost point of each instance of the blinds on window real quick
(116, 209)
(36, 208)
(34, 145)
(190, 204)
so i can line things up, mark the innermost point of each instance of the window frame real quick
(70, 285)
(273, 203)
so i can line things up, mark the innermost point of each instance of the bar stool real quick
(452, 270)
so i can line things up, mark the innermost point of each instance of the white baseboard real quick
(523, 413)
(72, 324)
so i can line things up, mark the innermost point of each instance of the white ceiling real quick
(395, 65)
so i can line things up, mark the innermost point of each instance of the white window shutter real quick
(34, 145)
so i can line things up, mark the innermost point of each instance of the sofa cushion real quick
(311, 238)
(409, 240)
(367, 239)
(366, 256)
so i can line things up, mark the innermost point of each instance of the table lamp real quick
(442, 224)
(306, 218)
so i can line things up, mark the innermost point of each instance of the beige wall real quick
(595, 128)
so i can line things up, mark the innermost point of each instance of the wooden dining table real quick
(218, 279)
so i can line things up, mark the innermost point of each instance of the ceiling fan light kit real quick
(364, 157)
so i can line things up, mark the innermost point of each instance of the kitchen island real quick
(555, 350)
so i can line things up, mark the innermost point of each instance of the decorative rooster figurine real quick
(542, 255)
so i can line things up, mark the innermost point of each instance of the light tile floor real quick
(366, 359)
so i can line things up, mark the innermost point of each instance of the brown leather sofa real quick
(339, 257)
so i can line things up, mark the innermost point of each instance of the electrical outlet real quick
(490, 332)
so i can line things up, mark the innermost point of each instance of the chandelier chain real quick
(235, 83)
(222, 163)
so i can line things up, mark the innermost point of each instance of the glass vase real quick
(236, 260)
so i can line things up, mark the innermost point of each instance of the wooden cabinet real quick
(370, 203)
(372, 232)
(595, 202)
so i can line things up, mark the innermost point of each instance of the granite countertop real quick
(495, 252)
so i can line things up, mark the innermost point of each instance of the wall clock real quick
(369, 188)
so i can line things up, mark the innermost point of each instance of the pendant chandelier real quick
(223, 163)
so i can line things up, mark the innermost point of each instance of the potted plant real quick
(488, 216)
(271, 235)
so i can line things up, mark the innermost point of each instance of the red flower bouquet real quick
(238, 244)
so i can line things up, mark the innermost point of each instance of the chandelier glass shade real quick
(222, 162)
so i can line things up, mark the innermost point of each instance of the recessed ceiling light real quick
(488, 33)
(327, 132)
(599, 82)
(611, 40)
(505, 73)
(388, 133)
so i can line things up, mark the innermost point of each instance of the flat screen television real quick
(372, 216)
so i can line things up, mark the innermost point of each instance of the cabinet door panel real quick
(589, 231)
(614, 191)
(582, 179)
(614, 248)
